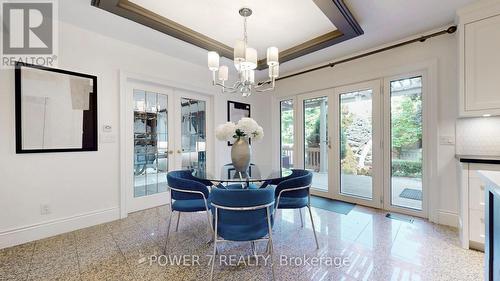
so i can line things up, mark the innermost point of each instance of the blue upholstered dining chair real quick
(243, 215)
(293, 192)
(187, 194)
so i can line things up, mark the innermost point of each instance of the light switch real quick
(446, 140)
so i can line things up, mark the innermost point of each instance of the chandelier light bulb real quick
(239, 51)
(272, 56)
(213, 61)
(223, 73)
(250, 59)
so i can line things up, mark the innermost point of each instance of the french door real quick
(314, 139)
(405, 150)
(166, 130)
(357, 134)
(363, 142)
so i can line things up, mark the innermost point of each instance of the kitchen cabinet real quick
(479, 59)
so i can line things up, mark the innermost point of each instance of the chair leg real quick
(215, 245)
(301, 219)
(213, 260)
(210, 228)
(254, 248)
(168, 232)
(314, 230)
(178, 219)
(270, 242)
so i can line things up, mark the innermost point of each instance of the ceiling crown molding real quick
(335, 10)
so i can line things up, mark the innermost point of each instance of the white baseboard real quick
(448, 218)
(46, 229)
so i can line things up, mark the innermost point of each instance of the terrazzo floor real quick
(363, 245)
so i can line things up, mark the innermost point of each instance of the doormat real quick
(336, 206)
(399, 217)
(410, 193)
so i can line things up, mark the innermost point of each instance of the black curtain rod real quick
(449, 30)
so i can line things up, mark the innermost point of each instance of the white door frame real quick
(377, 157)
(126, 180)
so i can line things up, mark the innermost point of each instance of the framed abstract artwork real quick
(56, 110)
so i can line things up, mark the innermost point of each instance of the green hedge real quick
(406, 168)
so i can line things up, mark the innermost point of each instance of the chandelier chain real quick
(245, 38)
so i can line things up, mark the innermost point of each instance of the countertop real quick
(478, 159)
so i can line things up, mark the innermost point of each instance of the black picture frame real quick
(240, 106)
(90, 132)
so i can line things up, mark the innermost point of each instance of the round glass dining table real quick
(255, 174)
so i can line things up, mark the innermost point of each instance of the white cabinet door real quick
(482, 67)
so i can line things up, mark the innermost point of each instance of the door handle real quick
(170, 152)
(179, 151)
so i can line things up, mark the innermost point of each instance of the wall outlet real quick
(44, 209)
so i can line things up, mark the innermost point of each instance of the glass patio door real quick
(357, 132)
(314, 152)
(404, 119)
(362, 146)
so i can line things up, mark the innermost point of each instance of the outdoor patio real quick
(361, 186)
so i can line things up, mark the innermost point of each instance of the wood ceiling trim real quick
(335, 10)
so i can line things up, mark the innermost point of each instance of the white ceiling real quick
(269, 25)
(383, 21)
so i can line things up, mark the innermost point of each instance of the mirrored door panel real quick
(193, 133)
(150, 143)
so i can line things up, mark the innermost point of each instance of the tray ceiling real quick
(269, 25)
(296, 27)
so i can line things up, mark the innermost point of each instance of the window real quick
(287, 133)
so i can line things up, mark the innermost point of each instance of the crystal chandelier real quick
(245, 62)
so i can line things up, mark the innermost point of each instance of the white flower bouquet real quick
(245, 128)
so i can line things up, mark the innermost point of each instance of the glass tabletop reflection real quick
(255, 173)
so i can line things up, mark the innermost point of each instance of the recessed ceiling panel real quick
(270, 24)
(296, 27)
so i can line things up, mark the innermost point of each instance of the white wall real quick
(82, 188)
(444, 50)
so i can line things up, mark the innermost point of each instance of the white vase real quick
(241, 155)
